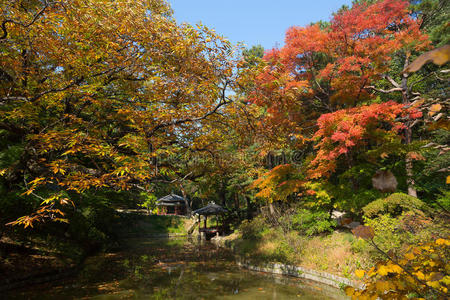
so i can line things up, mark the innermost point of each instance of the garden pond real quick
(176, 268)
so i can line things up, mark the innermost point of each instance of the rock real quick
(352, 225)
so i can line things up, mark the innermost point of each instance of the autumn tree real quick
(327, 67)
(91, 91)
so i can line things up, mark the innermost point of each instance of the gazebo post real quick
(206, 218)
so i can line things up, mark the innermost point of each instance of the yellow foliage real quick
(424, 270)
(360, 273)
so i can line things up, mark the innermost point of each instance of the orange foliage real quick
(322, 68)
(347, 129)
(278, 183)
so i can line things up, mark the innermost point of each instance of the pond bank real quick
(300, 272)
(272, 267)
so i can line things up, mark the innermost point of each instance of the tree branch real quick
(392, 81)
(36, 16)
(221, 103)
(371, 87)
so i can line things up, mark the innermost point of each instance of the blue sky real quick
(254, 22)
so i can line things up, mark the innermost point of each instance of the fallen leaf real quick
(364, 232)
(438, 56)
(434, 109)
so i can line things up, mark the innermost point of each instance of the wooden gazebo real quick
(171, 205)
(208, 210)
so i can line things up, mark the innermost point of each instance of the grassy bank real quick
(336, 252)
(306, 240)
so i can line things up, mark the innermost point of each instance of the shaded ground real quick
(26, 261)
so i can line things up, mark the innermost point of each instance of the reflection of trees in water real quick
(168, 269)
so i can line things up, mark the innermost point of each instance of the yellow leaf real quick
(383, 271)
(434, 109)
(443, 242)
(420, 275)
(410, 256)
(360, 273)
(382, 286)
(434, 284)
(396, 269)
(349, 291)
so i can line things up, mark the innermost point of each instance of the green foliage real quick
(283, 253)
(253, 55)
(91, 227)
(430, 175)
(320, 195)
(149, 202)
(388, 233)
(444, 200)
(394, 205)
(253, 229)
(310, 223)
(435, 15)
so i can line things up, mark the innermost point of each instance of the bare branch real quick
(392, 81)
(371, 87)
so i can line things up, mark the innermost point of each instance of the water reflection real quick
(174, 269)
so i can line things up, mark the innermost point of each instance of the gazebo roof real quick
(210, 209)
(170, 200)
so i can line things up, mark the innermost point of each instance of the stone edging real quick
(301, 272)
(156, 235)
(165, 235)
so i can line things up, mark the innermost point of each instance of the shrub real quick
(444, 200)
(394, 205)
(388, 232)
(284, 253)
(254, 229)
(311, 223)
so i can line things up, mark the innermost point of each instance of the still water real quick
(173, 269)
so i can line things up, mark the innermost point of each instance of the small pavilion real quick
(171, 205)
(208, 210)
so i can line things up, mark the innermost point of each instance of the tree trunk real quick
(249, 208)
(408, 132)
(222, 194)
(186, 203)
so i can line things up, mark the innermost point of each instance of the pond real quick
(173, 269)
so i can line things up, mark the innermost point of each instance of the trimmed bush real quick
(394, 205)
